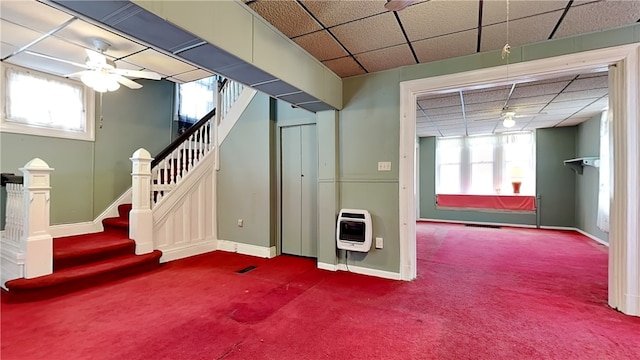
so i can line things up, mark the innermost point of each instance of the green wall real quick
(369, 132)
(246, 180)
(588, 184)
(554, 184)
(89, 176)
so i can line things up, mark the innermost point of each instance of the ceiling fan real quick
(101, 73)
(508, 116)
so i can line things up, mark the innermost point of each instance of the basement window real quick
(36, 103)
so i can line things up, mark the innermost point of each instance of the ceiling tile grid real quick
(446, 46)
(594, 16)
(292, 19)
(371, 33)
(439, 17)
(321, 45)
(387, 58)
(521, 31)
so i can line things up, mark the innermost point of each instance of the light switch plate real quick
(379, 243)
(384, 165)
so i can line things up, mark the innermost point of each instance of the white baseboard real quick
(479, 223)
(182, 252)
(247, 249)
(62, 230)
(360, 270)
(566, 228)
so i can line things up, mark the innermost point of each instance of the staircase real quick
(85, 260)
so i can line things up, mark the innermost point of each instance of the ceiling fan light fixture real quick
(508, 122)
(397, 5)
(99, 81)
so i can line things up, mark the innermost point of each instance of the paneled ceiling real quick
(354, 38)
(358, 37)
(23, 22)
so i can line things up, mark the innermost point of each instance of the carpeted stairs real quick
(87, 260)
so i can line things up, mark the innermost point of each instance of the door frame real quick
(625, 229)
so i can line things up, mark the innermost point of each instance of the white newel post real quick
(141, 217)
(37, 245)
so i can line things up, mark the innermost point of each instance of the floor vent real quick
(247, 269)
(484, 226)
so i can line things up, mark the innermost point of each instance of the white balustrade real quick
(228, 96)
(26, 237)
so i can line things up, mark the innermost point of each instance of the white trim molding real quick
(175, 253)
(624, 254)
(247, 249)
(360, 270)
(479, 223)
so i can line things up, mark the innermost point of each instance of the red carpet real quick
(87, 260)
(480, 294)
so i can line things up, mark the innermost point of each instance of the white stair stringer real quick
(184, 223)
(238, 107)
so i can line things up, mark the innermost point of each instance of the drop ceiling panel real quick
(566, 105)
(332, 13)
(521, 31)
(61, 49)
(495, 11)
(210, 57)
(6, 49)
(98, 10)
(33, 15)
(321, 45)
(439, 17)
(245, 73)
(480, 96)
(599, 82)
(290, 18)
(17, 36)
(444, 110)
(530, 101)
(276, 88)
(595, 16)
(439, 101)
(316, 106)
(45, 65)
(83, 34)
(490, 106)
(344, 67)
(296, 98)
(191, 76)
(386, 58)
(446, 46)
(584, 94)
(154, 61)
(357, 36)
(153, 30)
(534, 89)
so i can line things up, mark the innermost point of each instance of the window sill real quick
(491, 203)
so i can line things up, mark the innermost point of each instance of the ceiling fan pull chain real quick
(506, 49)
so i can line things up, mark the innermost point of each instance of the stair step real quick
(83, 249)
(116, 223)
(123, 210)
(80, 277)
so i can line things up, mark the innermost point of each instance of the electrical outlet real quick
(240, 222)
(379, 243)
(384, 165)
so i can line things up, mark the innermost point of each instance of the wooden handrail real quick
(11, 178)
(182, 138)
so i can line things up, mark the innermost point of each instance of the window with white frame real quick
(196, 99)
(486, 164)
(36, 103)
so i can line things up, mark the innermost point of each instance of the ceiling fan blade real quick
(78, 74)
(95, 57)
(126, 82)
(57, 59)
(137, 74)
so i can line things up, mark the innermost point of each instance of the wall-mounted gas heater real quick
(354, 230)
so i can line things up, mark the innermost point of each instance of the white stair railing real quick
(26, 243)
(228, 94)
